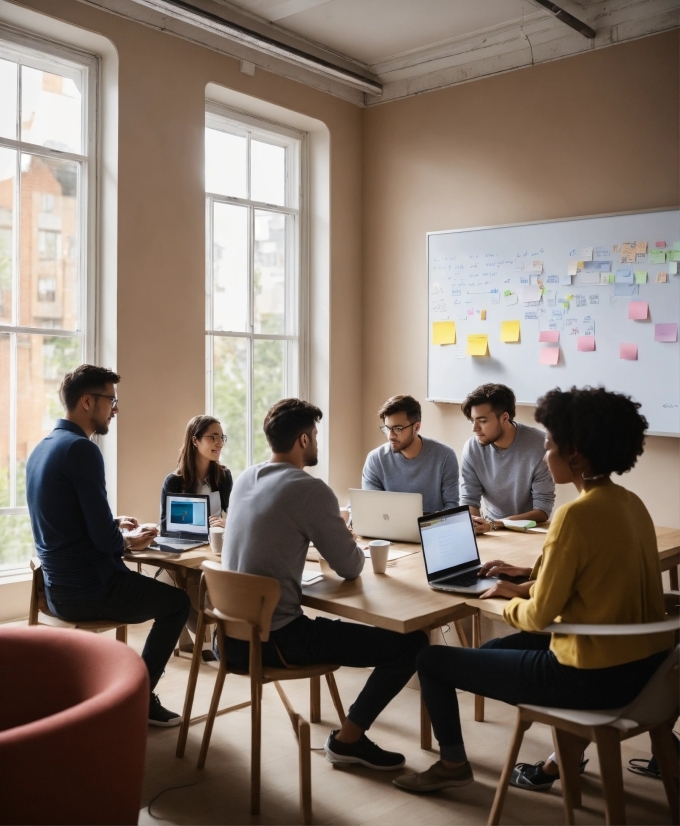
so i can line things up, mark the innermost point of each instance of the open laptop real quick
(187, 522)
(382, 514)
(450, 552)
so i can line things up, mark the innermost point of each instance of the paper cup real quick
(379, 549)
(216, 540)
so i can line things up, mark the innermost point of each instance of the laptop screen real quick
(448, 541)
(186, 515)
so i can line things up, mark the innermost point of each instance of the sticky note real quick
(549, 355)
(625, 276)
(572, 269)
(612, 278)
(661, 277)
(641, 248)
(565, 280)
(549, 335)
(531, 293)
(628, 352)
(666, 332)
(482, 315)
(673, 267)
(477, 344)
(676, 245)
(604, 277)
(510, 298)
(591, 277)
(626, 289)
(660, 244)
(638, 310)
(673, 255)
(510, 331)
(640, 276)
(443, 332)
(585, 344)
(657, 256)
(587, 254)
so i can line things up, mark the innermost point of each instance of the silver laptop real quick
(450, 552)
(187, 522)
(382, 514)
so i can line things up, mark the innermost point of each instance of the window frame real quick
(44, 54)
(296, 320)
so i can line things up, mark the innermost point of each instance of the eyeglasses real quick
(112, 399)
(216, 438)
(397, 429)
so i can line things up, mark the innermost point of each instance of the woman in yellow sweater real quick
(600, 564)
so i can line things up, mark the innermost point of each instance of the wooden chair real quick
(655, 710)
(39, 612)
(241, 606)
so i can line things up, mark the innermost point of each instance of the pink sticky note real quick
(629, 352)
(665, 332)
(660, 245)
(637, 310)
(549, 335)
(585, 344)
(549, 355)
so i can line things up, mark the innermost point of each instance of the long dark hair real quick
(186, 462)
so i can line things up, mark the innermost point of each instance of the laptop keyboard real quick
(464, 579)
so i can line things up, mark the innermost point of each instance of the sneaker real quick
(438, 776)
(364, 751)
(160, 716)
(532, 777)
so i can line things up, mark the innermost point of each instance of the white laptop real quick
(187, 522)
(382, 514)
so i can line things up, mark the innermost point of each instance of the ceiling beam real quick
(563, 16)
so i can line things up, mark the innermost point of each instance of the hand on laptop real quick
(497, 567)
(507, 590)
(141, 537)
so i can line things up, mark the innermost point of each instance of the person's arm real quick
(535, 514)
(542, 493)
(471, 489)
(328, 531)
(370, 478)
(450, 482)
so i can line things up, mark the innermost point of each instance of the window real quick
(252, 173)
(46, 179)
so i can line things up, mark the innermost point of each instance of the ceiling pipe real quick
(569, 19)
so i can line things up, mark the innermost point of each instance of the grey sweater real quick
(433, 472)
(514, 480)
(275, 511)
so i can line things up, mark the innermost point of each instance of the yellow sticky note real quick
(443, 332)
(510, 331)
(477, 344)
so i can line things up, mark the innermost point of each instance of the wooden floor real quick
(219, 794)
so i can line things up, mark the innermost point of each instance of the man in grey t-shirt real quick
(409, 462)
(503, 462)
(275, 510)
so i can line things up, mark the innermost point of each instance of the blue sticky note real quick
(625, 276)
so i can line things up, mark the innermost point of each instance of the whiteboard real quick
(470, 271)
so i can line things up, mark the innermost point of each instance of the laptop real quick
(382, 514)
(450, 552)
(187, 523)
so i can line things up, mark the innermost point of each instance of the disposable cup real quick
(216, 540)
(379, 549)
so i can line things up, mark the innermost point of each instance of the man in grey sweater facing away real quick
(409, 462)
(503, 462)
(276, 509)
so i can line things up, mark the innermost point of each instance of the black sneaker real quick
(532, 777)
(160, 716)
(364, 751)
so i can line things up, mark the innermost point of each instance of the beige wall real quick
(579, 136)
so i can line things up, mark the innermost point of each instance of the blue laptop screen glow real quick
(448, 542)
(186, 515)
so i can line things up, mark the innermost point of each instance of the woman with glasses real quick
(199, 469)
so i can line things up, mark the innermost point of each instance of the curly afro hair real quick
(604, 427)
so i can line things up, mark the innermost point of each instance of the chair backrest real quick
(39, 586)
(242, 601)
(658, 700)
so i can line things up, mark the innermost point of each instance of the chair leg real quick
(304, 746)
(121, 634)
(335, 696)
(476, 642)
(214, 703)
(609, 753)
(191, 689)
(255, 745)
(667, 758)
(569, 748)
(520, 727)
(315, 699)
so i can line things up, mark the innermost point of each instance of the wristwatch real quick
(493, 525)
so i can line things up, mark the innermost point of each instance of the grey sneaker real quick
(160, 716)
(364, 751)
(438, 776)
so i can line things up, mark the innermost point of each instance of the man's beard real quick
(311, 461)
(102, 429)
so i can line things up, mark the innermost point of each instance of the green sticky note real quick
(676, 245)
(657, 256)
(508, 292)
(641, 276)
(673, 255)
(612, 278)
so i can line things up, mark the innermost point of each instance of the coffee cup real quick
(216, 540)
(379, 549)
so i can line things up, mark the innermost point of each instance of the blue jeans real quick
(519, 669)
(131, 598)
(306, 641)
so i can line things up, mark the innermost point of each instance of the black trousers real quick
(306, 641)
(131, 598)
(519, 669)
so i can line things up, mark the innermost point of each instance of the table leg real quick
(476, 642)
(673, 574)
(425, 726)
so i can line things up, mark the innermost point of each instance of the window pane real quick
(48, 267)
(225, 164)
(230, 268)
(50, 110)
(268, 387)
(4, 423)
(41, 364)
(8, 99)
(267, 173)
(16, 540)
(8, 159)
(270, 272)
(230, 383)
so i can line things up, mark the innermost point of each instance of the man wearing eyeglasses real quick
(409, 462)
(79, 542)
